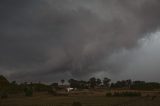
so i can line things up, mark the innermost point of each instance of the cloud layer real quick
(48, 40)
(140, 63)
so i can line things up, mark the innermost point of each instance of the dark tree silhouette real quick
(92, 82)
(62, 81)
(98, 82)
(4, 83)
(128, 83)
(70, 81)
(106, 82)
(74, 83)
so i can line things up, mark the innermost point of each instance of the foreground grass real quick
(49, 100)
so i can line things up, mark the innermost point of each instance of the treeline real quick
(13, 87)
(136, 85)
(91, 83)
(106, 83)
(9, 88)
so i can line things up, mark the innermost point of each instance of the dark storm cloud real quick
(69, 38)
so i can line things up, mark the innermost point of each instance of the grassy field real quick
(44, 99)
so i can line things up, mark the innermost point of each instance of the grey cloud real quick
(140, 63)
(48, 39)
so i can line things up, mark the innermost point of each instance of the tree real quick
(74, 83)
(92, 82)
(62, 81)
(54, 85)
(70, 81)
(83, 84)
(122, 84)
(98, 82)
(106, 82)
(3, 82)
(28, 91)
(13, 83)
(129, 83)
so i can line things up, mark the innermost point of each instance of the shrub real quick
(76, 104)
(108, 94)
(28, 92)
(117, 94)
(130, 94)
(4, 95)
(53, 92)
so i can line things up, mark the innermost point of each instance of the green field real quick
(49, 100)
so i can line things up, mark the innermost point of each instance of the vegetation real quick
(109, 94)
(106, 82)
(28, 92)
(92, 82)
(62, 81)
(141, 85)
(88, 92)
(4, 94)
(96, 83)
(4, 83)
(129, 94)
(123, 94)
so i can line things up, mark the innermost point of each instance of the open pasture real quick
(48, 100)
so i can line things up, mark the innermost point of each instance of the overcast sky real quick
(47, 40)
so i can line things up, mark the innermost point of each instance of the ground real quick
(44, 99)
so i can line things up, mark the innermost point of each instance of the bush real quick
(28, 92)
(76, 104)
(123, 94)
(52, 91)
(108, 94)
(117, 94)
(130, 94)
(4, 95)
